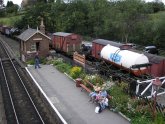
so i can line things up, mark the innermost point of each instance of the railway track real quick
(18, 101)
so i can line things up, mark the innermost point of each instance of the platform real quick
(69, 100)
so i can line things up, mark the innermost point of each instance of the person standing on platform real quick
(37, 62)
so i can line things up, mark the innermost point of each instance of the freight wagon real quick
(149, 63)
(66, 42)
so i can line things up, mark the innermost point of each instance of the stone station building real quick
(33, 41)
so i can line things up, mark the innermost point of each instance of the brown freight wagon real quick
(66, 42)
(157, 69)
(2, 29)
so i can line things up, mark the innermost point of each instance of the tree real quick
(156, 6)
(128, 14)
(42, 1)
(1, 2)
(9, 4)
(11, 7)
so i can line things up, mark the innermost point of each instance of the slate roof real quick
(154, 59)
(28, 33)
(105, 42)
(62, 34)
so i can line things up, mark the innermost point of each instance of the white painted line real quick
(54, 108)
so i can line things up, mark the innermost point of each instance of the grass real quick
(9, 21)
(157, 15)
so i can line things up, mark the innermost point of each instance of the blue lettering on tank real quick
(115, 57)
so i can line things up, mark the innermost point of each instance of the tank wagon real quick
(98, 44)
(66, 42)
(125, 59)
(154, 66)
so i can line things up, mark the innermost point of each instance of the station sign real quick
(79, 58)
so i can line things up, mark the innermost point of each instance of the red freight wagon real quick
(66, 42)
(3, 28)
(157, 69)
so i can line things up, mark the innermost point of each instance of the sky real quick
(19, 1)
(14, 1)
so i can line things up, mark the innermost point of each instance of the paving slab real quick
(69, 100)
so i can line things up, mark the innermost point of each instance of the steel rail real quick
(11, 99)
(23, 84)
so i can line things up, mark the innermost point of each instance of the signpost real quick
(79, 58)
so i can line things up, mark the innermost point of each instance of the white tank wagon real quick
(128, 60)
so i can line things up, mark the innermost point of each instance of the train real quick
(9, 31)
(122, 56)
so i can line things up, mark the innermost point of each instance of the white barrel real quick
(125, 58)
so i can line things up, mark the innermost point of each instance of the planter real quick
(78, 82)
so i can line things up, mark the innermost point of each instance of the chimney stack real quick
(42, 26)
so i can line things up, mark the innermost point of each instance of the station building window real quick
(35, 47)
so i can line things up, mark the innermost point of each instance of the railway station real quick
(47, 77)
(70, 103)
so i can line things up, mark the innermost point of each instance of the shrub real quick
(63, 67)
(120, 99)
(140, 119)
(43, 60)
(159, 119)
(94, 79)
(75, 72)
(57, 61)
(30, 62)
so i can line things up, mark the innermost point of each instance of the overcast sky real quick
(19, 1)
(14, 1)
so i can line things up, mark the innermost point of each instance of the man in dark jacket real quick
(37, 62)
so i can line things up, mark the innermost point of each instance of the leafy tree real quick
(1, 2)
(2, 12)
(128, 14)
(9, 4)
(122, 20)
(158, 30)
(156, 6)
(11, 7)
(42, 1)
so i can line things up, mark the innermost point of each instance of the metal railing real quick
(148, 88)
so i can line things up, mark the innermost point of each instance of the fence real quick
(147, 89)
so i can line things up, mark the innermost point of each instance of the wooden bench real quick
(85, 88)
(91, 85)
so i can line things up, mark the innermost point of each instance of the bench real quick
(91, 85)
(82, 85)
(85, 88)
(88, 89)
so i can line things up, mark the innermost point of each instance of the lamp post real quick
(155, 84)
